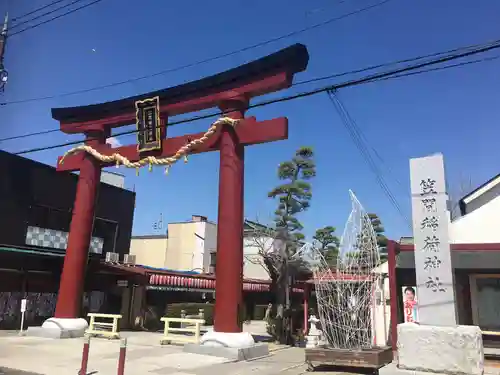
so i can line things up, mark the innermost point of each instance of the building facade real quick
(180, 266)
(192, 245)
(186, 246)
(36, 204)
(256, 241)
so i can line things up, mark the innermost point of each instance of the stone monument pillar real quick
(433, 268)
(436, 343)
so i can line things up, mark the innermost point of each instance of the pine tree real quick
(328, 244)
(294, 196)
(381, 238)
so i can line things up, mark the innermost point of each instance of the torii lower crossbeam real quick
(249, 132)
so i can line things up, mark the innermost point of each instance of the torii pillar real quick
(75, 262)
(229, 280)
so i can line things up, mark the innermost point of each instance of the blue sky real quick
(455, 112)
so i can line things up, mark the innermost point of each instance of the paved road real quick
(145, 355)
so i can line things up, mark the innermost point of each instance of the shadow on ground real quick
(344, 369)
(10, 371)
(262, 338)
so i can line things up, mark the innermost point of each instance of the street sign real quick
(24, 302)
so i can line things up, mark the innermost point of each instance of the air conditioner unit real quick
(129, 259)
(112, 257)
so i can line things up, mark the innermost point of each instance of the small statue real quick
(267, 316)
(314, 338)
(313, 328)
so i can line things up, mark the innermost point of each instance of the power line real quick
(337, 75)
(53, 130)
(486, 59)
(369, 79)
(204, 61)
(357, 138)
(355, 82)
(55, 18)
(38, 10)
(45, 14)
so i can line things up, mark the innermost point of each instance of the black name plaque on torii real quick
(148, 124)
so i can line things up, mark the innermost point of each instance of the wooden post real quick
(307, 290)
(183, 316)
(85, 356)
(393, 294)
(121, 358)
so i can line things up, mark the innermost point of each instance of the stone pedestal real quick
(448, 350)
(58, 328)
(312, 341)
(235, 346)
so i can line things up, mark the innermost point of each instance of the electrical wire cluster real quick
(421, 65)
(387, 71)
(27, 23)
(199, 62)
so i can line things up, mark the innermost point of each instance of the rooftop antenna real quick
(3, 42)
(158, 225)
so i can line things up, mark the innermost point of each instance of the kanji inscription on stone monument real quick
(433, 267)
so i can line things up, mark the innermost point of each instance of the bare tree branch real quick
(456, 193)
(261, 238)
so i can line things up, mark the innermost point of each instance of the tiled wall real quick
(56, 239)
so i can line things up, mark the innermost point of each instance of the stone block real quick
(59, 328)
(227, 339)
(236, 354)
(448, 350)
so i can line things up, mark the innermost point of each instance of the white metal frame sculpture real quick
(346, 296)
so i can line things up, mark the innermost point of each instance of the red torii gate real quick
(230, 91)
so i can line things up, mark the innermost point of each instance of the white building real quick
(255, 242)
(114, 179)
(186, 246)
(480, 212)
(192, 246)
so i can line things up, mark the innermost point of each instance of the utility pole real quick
(3, 42)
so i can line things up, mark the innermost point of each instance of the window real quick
(59, 220)
(49, 218)
(485, 291)
(108, 232)
(38, 216)
(213, 261)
